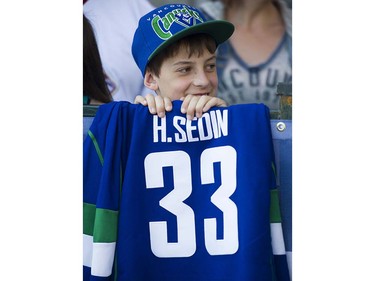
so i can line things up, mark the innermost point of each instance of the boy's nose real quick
(201, 79)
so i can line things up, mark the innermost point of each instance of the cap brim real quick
(219, 30)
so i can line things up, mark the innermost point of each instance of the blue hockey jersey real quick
(176, 199)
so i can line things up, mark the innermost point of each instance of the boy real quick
(175, 52)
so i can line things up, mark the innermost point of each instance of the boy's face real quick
(180, 76)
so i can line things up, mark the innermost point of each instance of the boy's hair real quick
(170, 23)
(193, 44)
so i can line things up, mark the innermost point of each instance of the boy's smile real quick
(182, 75)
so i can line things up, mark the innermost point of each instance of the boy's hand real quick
(191, 105)
(199, 104)
(156, 104)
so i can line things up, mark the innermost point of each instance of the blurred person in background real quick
(114, 22)
(258, 55)
(95, 89)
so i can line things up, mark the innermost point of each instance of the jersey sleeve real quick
(102, 179)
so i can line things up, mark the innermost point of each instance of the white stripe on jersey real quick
(278, 246)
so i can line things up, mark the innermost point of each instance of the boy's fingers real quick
(201, 104)
(185, 103)
(214, 102)
(197, 105)
(151, 103)
(208, 105)
(221, 103)
(140, 100)
(167, 104)
(190, 112)
(160, 108)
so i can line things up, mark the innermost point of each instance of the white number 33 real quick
(173, 202)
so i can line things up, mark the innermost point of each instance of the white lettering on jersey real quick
(211, 125)
(174, 202)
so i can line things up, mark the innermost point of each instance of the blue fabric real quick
(87, 276)
(282, 142)
(283, 156)
(281, 268)
(134, 150)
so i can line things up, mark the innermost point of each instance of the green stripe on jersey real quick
(100, 223)
(95, 142)
(88, 218)
(105, 227)
(275, 215)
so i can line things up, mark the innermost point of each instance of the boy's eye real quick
(184, 69)
(211, 66)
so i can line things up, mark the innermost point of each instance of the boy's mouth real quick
(201, 94)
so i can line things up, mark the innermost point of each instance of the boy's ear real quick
(150, 80)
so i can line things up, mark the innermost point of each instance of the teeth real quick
(203, 94)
